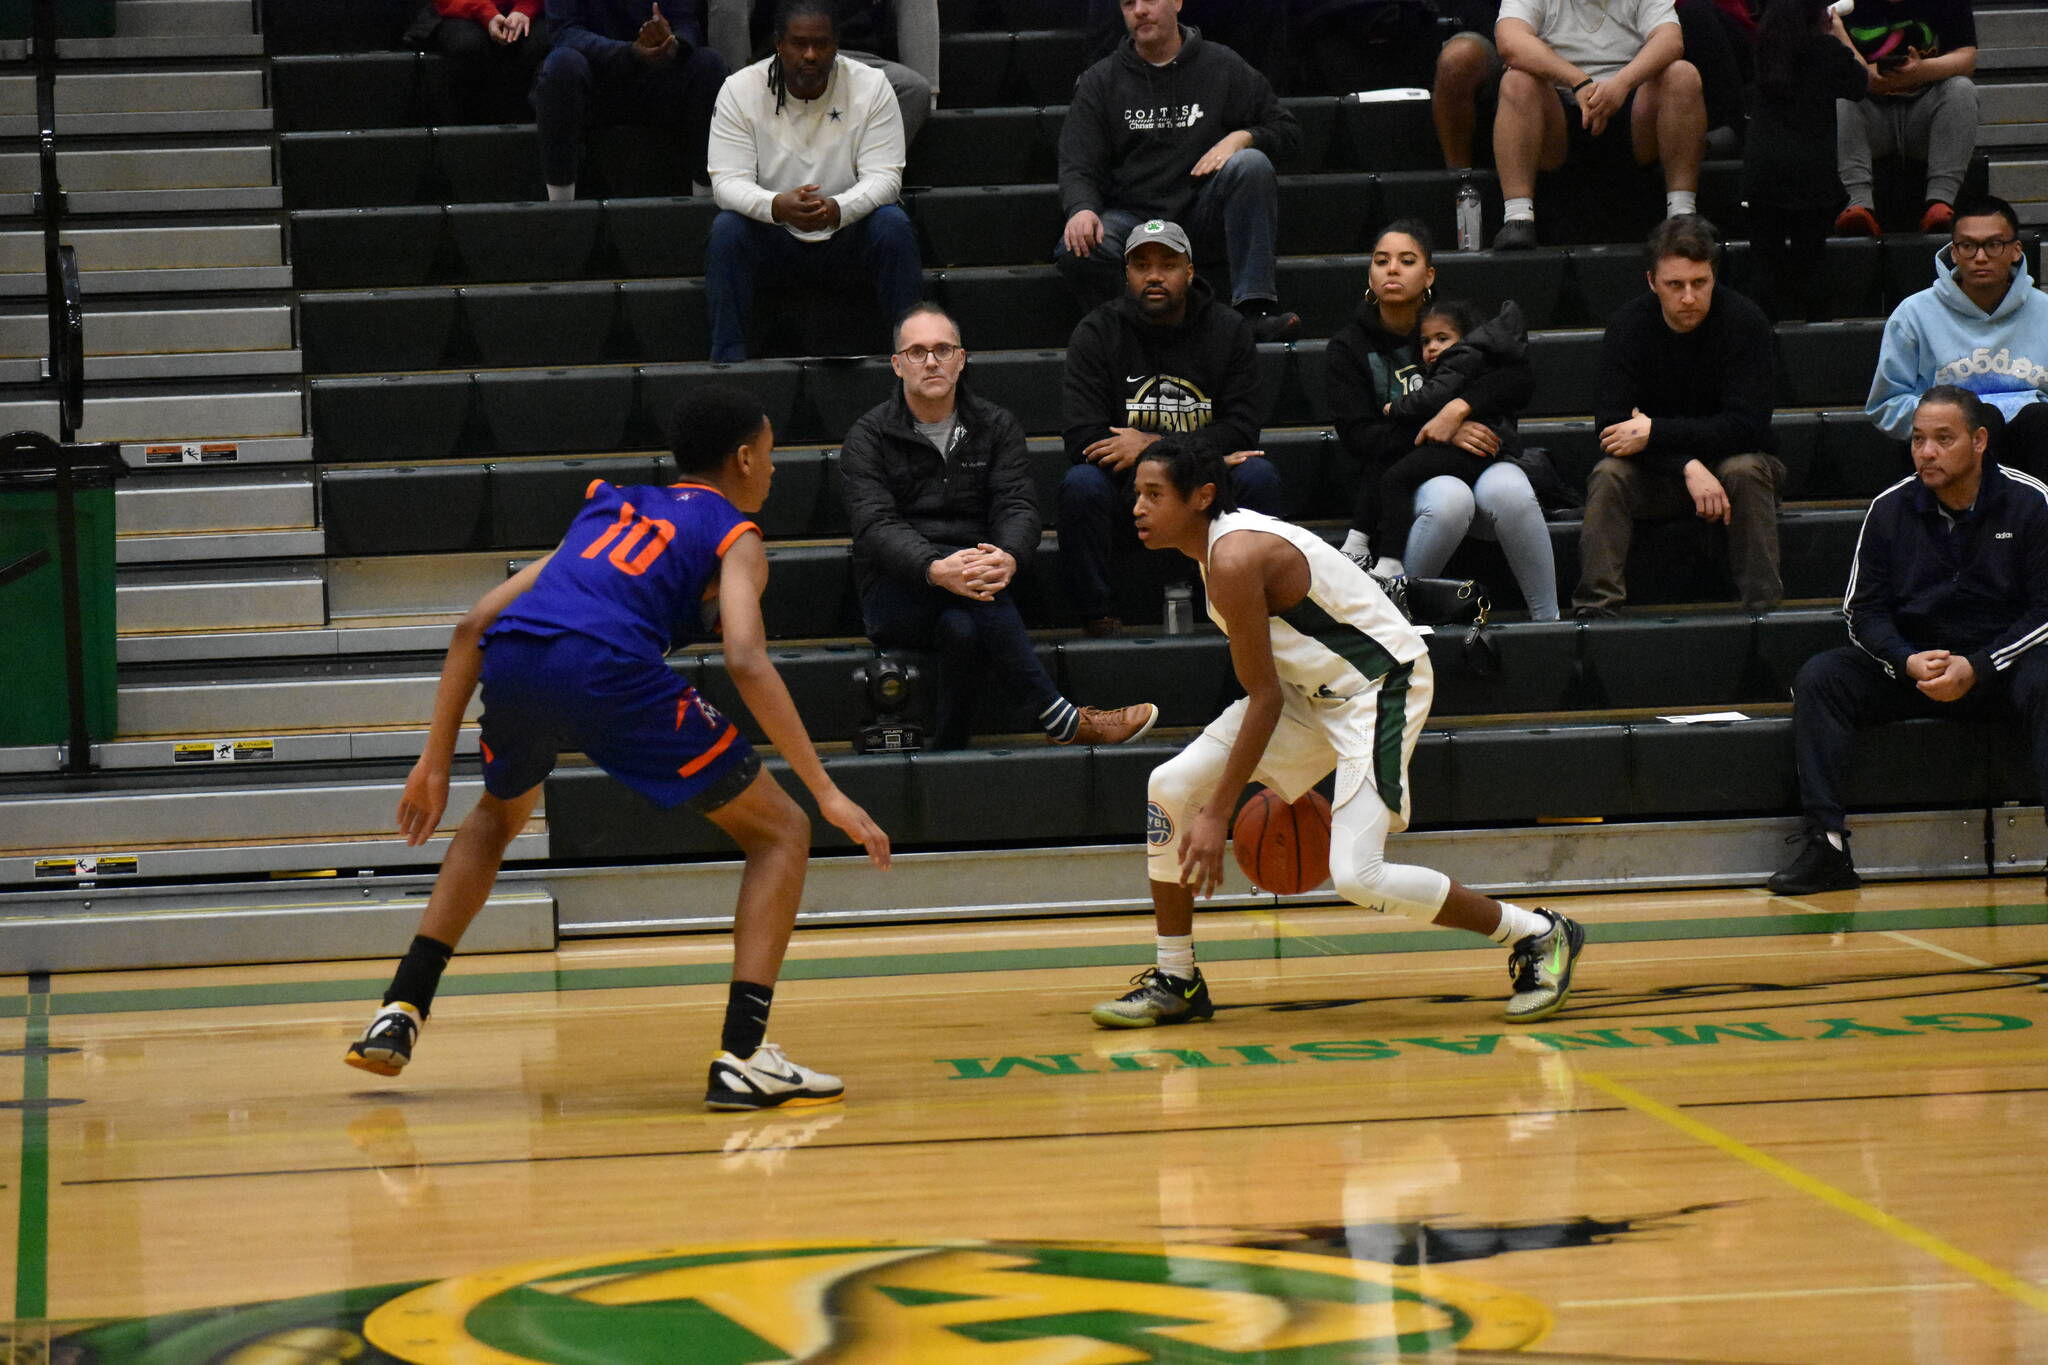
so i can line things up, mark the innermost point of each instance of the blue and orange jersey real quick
(635, 569)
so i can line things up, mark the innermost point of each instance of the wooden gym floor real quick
(1765, 1131)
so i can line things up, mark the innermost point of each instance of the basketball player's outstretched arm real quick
(1237, 588)
(741, 580)
(425, 797)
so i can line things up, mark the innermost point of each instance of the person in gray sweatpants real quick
(1922, 105)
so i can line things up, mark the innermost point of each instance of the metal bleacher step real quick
(284, 642)
(144, 103)
(2011, 101)
(222, 818)
(214, 599)
(154, 326)
(213, 514)
(2020, 180)
(334, 695)
(183, 18)
(137, 412)
(2004, 28)
(226, 163)
(108, 927)
(152, 246)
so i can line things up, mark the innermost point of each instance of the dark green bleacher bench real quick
(570, 410)
(1472, 776)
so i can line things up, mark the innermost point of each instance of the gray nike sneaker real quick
(1157, 999)
(767, 1080)
(1540, 966)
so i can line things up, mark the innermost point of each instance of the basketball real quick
(1283, 849)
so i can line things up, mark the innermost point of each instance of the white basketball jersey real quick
(1345, 635)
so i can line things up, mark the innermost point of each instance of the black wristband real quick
(1582, 85)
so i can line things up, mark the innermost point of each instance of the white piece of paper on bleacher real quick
(1705, 717)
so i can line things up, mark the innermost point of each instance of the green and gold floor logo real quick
(868, 1303)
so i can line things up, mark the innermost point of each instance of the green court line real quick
(1026, 959)
(32, 1210)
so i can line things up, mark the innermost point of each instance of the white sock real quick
(1517, 924)
(1678, 203)
(1177, 955)
(561, 194)
(1518, 210)
(1356, 542)
(1387, 567)
(1836, 840)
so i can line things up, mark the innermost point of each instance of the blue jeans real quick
(881, 246)
(1241, 202)
(1094, 503)
(980, 644)
(571, 94)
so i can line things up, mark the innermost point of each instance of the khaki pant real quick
(1621, 493)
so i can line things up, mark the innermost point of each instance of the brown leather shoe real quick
(1102, 627)
(1120, 726)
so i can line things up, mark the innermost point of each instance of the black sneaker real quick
(1520, 235)
(1540, 968)
(1279, 325)
(1819, 867)
(387, 1044)
(1396, 589)
(1157, 999)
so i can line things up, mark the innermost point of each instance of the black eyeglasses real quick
(943, 352)
(1963, 246)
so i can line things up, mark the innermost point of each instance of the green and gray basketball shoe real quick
(1540, 966)
(1157, 999)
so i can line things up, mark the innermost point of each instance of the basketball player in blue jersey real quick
(571, 654)
(1334, 677)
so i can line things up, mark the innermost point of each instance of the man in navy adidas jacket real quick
(1948, 615)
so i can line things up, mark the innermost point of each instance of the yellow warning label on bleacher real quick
(223, 750)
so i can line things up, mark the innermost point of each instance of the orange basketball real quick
(1283, 849)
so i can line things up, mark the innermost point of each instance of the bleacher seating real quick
(476, 356)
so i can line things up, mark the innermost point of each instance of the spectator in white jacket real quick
(806, 161)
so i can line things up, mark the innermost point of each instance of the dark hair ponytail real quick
(1786, 26)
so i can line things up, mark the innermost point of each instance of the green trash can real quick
(33, 683)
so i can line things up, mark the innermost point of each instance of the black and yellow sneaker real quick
(1540, 966)
(387, 1044)
(767, 1080)
(1157, 999)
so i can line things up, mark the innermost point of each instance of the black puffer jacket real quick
(1488, 369)
(908, 507)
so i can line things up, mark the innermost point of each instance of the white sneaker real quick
(387, 1044)
(767, 1080)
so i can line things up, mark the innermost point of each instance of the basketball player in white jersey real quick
(1335, 677)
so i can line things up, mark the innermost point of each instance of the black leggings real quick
(1405, 477)
(1787, 261)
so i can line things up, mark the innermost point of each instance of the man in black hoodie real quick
(938, 489)
(1163, 358)
(1169, 126)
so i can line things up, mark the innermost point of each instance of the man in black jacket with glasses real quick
(938, 490)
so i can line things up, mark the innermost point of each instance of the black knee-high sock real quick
(419, 973)
(746, 1018)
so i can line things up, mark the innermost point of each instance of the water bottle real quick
(1180, 609)
(1468, 215)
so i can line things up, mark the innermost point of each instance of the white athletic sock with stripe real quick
(1060, 719)
(1517, 924)
(1680, 203)
(1177, 955)
(1518, 210)
(1356, 542)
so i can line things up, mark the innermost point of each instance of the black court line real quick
(884, 1144)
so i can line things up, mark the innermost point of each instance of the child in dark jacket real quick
(1461, 479)
(1805, 63)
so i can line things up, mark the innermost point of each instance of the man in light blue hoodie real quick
(1982, 326)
